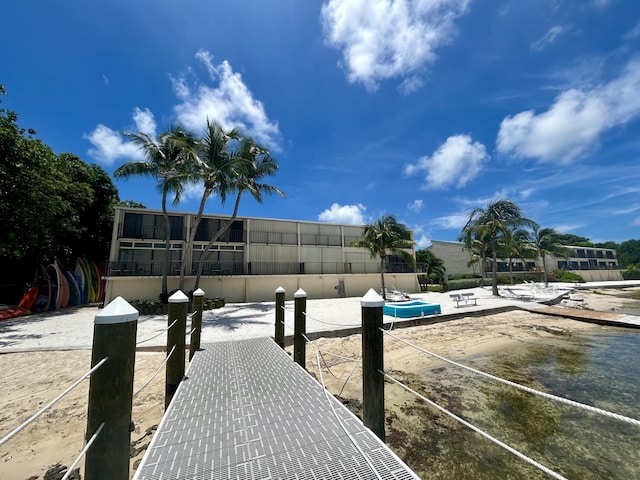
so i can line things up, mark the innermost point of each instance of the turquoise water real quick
(600, 369)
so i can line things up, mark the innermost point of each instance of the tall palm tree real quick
(476, 241)
(169, 160)
(496, 221)
(215, 168)
(253, 162)
(386, 235)
(544, 242)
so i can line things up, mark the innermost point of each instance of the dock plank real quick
(246, 410)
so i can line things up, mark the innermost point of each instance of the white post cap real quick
(118, 311)
(300, 293)
(372, 299)
(280, 290)
(198, 293)
(178, 297)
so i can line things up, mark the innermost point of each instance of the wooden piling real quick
(196, 322)
(372, 363)
(279, 331)
(300, 328)
(176, 342)
(111, 392)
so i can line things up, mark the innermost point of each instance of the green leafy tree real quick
(252, 163)
(170, 161)
(476, 241)
(629, 253)
(494, 222)
(386, 235)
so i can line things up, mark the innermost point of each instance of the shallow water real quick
(599, 369)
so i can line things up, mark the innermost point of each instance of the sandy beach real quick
(41, 355)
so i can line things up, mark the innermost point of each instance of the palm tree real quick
(544, 242)
(516, 244)
(383, 235)
(434, 265)
(252, 163)
(476, 241)
(495, 221)
(169, 160)
(215, 168)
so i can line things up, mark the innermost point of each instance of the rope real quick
(164, 362)
(324, 361)
(344, 428)
(192, 314)
(156, 336)
(52, 402)
(549, 396)
(191, 332)
(518, 454)
(329, 323)
(83, 452)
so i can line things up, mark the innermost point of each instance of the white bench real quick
(464, 298)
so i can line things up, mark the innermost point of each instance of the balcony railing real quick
(155, 268)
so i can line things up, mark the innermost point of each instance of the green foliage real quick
(629, 253)
(130, 204)
(50, 206)
(463, 283)
(565, 276)
(570, 239)
(632, 272)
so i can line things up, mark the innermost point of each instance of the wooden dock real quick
(246, 411)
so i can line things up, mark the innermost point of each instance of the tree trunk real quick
(494, 273)
(188, 248)
(206, 253)
(544, 272)
(384, 290)
(167, 243)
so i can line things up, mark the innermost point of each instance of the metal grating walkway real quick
(247, 411)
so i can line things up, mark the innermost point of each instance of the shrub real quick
(565, 276)
(462, 283)
(632, 272)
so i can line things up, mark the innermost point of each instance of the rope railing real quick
(335, 414)
(164, 362)
(83, 452)
(51, 403)
(157, 335)
(318, 350)
(512, 450)
(332, 324)
(533, 391)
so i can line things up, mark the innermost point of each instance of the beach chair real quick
(510, 293)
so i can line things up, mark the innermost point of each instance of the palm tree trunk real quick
(192, 237)
(544, 271)
(384, 290)
(494, 273)
(167, 243)
(212, 240)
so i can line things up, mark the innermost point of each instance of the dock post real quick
(196, 322)
(279, 333)
(111, 391)
(372, 363)
(300, 328)
(175, 341)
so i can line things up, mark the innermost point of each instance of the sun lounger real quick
(510, 293)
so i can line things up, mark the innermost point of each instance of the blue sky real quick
(422, 109)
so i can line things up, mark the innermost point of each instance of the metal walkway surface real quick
(247, 411)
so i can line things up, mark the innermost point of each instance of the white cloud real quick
(416, 206)
(382, 39)
(455, 222)
(571, 127)
(230, 103)
(422, 242)
(345, 214)
(548, 38)
(109, 146)
(456, 162)
(145, 122)
(633, 33)
(105, 79)
(636, 222)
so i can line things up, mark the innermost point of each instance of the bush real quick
(565, 276)
(632, 272)
(462, 283)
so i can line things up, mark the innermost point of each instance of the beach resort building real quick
(591, 263)
(249, 261)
